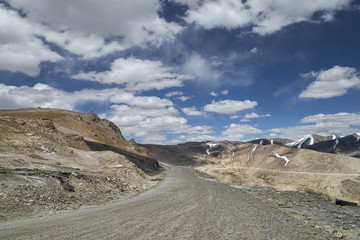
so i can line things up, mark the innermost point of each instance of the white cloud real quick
(254, 50)
(91, 22)
(229, 106)
(153, 124)
(86, 28)
(225, 92)
(175, 93)
(352, 119)
(311, 74)
(140, 101)
(323, 124)
(191, 111)
(21, 49)
(333, 82)
(184, 98)
(86, 45)
(194, 138)
(136, 74)
(42, 95)
(198, 67)
(178, 95)
(214, 94)
(237, 132)
(264, 16)
(253, 115)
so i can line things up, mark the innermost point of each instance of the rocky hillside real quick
(274, 165)
(52, 160)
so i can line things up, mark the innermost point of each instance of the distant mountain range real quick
(349, 145)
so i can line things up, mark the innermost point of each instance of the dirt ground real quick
(315, 210)
(180, 207)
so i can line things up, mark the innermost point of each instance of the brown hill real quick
(54, 159)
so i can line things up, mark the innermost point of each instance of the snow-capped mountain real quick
(349, 145)
(309, 140)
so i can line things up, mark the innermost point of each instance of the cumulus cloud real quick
(237, 132)
(253, 115)
(136, 23)
(153, 125)
(191, 111)
(323, 124)
(229, 106)
(198, 67)
(86, 28)
(136, 74)
(21, 48)
(333, 82)
(141, 101)
(264, 17)
(42, 95)
(86, 45)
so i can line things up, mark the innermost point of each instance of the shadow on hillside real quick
(148, 165)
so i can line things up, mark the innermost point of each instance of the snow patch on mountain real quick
(333, 137)
(299, 142)
(272, 141)
(211, 145)
(248, 159)
(311, 140)
(282, 157)
(261, 142)
(358, 134)
(336, 143)
(255, 146)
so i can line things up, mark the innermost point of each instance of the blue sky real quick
(185, 70)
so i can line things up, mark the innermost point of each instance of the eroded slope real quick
(52, 160)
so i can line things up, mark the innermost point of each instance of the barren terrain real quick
(180, 207)
(54, 160)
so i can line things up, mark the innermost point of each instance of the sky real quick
(173, 71)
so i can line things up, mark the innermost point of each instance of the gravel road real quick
(182, 206)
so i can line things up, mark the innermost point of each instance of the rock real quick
(337, 234)
(69, 187)
(344, 203)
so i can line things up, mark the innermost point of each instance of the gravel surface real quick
(180, 207)
(314, 209)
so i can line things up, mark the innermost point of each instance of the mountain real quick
(274, 165)
(53, 159)
(349, 145)
(264, 141)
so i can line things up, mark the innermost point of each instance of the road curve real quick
(180, 207)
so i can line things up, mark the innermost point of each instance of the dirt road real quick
(180, 207)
